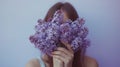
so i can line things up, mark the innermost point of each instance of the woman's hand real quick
(47, 60)
(64, 55)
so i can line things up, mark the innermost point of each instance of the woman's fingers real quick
(67, 52)
(59, 57)
(57, 62)
(64, 55)
(64, 58)
(60, 53)
(68, 46)
(47, 60)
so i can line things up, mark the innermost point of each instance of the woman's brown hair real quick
(71, 14)
(67, 7)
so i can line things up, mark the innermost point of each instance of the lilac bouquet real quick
(49, 34)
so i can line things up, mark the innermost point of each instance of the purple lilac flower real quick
(49, 34)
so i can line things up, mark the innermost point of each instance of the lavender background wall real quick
(18, 17)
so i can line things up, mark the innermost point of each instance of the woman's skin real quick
(65, 56)
(89, 62)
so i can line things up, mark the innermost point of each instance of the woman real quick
(66, 57)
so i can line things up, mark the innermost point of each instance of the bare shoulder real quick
(33, 63)
(90, 62)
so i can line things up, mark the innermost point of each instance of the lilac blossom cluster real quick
(48, 35)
